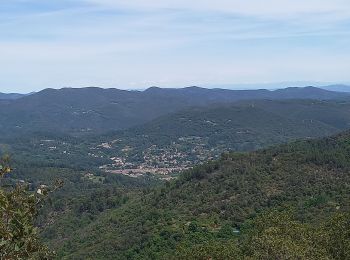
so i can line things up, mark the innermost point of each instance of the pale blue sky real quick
(140, 43)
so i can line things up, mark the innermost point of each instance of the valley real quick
(191, 181)
(178, 141)
(306, 177)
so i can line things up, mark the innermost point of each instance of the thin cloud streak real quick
(141, 43)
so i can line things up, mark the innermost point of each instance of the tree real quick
(18, 210)
(277, 235)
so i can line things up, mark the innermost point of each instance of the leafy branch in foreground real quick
(18, 210)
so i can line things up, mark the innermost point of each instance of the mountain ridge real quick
(11, 96)
(96, 110)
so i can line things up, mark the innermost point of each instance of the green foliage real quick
(215, 250)
(230, 208)
(338, 239)
(18, 209)
(189, 136)
(278, 236)
(215, 210)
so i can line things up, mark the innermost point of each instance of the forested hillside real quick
(214, 210)
(94, 110)
(198, 134)
(183, 139)
(254, 204)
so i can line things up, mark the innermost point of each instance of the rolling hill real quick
(10, 96)
(96, 111)
(338, 88)
(194, 135)
(291, 197)
(182, 139)
(215, 204)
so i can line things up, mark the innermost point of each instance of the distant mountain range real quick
(339, 88)
(282, 85)
(10, 96)
(96, 110)
(275, 121)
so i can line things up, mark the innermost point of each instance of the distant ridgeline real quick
(95, 110)
(287, 202)
(10, 96)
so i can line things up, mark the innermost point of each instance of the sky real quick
(135, 44)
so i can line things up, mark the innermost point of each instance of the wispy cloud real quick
(138, 42)
(269, 8)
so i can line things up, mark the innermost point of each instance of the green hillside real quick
(95, 110)
(180, 140)
(198, 134)
(287, 200)
(215, 209)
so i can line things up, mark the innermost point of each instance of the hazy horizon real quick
(253, 86)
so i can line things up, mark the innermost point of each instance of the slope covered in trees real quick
(236, 207)
(195, 135)
(18, 209)
(185, 138)
(95, 110)
(276, 201)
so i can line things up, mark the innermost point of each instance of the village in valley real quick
(122, 156)
(164, 161)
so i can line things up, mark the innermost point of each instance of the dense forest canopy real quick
(185, 138)
(287, 201)
(94, 110)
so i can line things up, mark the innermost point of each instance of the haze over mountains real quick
(95, 110)
(337, 87)
(10, 96)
